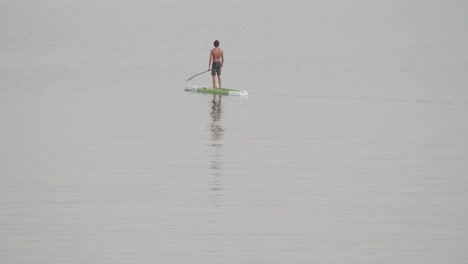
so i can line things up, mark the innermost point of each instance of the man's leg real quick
(214, 82)
(219, 81)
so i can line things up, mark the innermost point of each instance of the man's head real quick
(216, 43)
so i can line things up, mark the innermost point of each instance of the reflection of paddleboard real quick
(223, 91)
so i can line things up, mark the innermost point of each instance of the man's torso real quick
(217, 53)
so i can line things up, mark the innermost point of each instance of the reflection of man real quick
(217, 57)
(216, 128)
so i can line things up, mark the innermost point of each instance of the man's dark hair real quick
(216, 43)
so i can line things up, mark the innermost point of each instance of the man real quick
(217, 57)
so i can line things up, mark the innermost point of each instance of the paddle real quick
(197, 75)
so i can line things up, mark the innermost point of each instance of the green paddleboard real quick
(211, 90)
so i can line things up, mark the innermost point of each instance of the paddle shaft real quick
(197, 75)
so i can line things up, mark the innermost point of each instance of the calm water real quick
(351, 147)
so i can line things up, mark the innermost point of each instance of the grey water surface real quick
(351, 147)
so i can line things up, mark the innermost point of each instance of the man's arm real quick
(222, 58)
(211, 59)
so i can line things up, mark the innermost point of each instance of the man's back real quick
(217, 54)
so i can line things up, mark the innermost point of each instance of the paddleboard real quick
(210, 90)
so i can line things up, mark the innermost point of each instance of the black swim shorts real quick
(216, 68)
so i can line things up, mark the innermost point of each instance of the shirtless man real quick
(217, 57)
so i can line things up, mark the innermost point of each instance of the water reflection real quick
(216, 168)
(216, 158)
